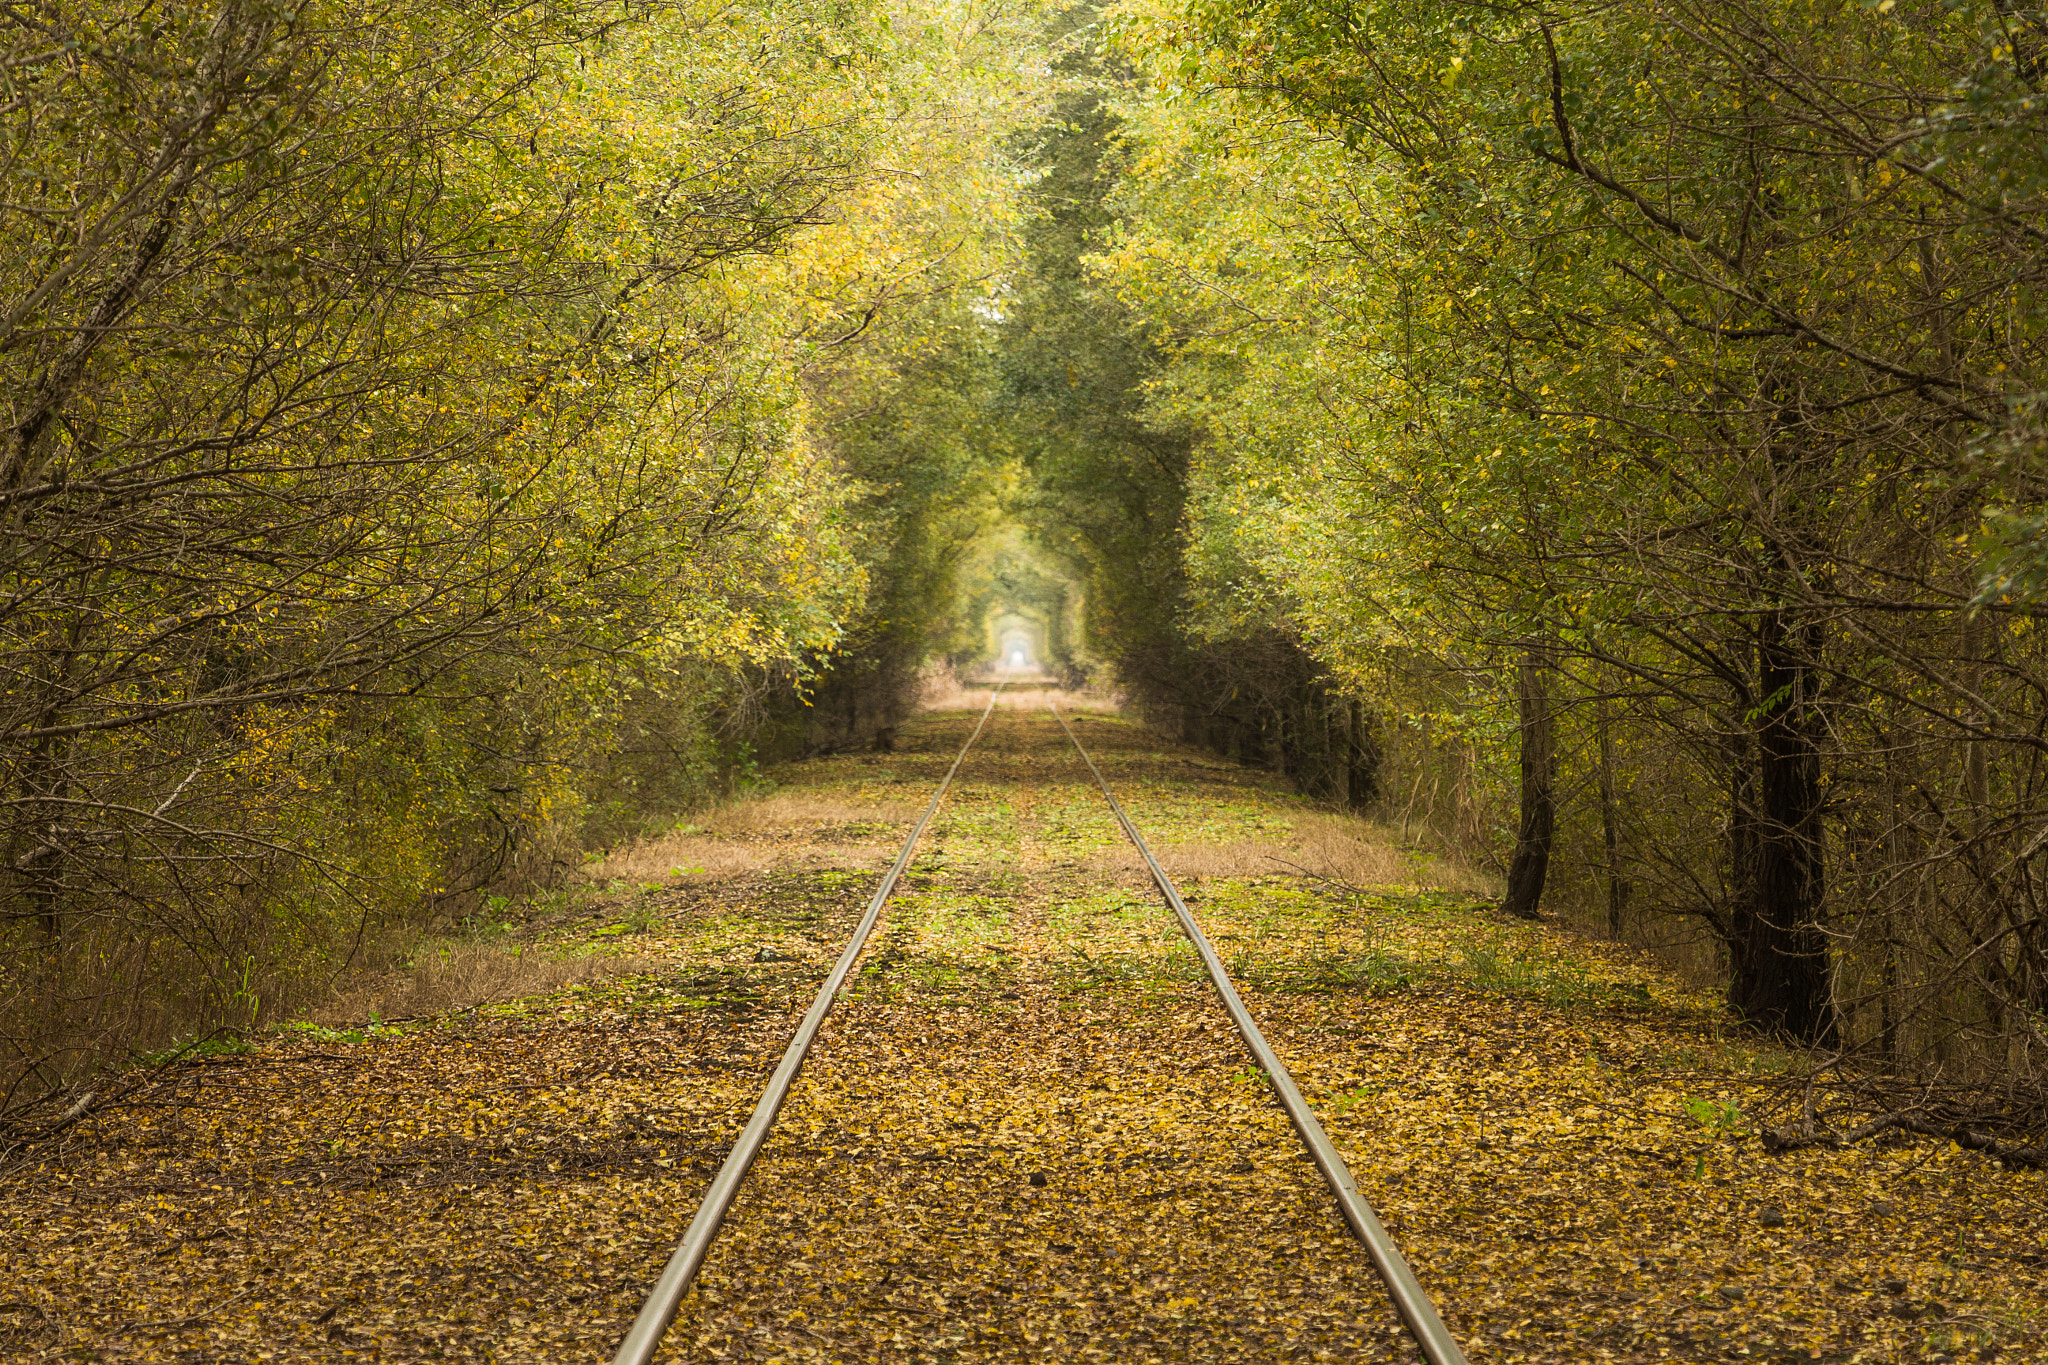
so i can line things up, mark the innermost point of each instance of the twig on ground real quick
(170, 1323)
(1792, 1139)
(1338, 882)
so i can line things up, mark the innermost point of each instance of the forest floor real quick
(1027, 1133)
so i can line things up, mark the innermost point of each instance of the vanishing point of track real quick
(1417, 1313)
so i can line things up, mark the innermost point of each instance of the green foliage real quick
(1111, 490)
(1721, 1118)
(1104, 490)
(431, 433)
(1625, 340)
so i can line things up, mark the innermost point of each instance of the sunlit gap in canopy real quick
(1018, 644)
(1023, 612)
(1019, 653)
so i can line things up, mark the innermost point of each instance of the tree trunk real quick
(1610, 829)
(1362, 760)
(1781, 955)
(1538, 830)
(1888, 1003)
(1976, 762)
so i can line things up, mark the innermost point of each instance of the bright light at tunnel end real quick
(1017, 654)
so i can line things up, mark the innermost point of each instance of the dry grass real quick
(1341, 848)
(1685, 945)
(662, 857)
(465, 976)
(738, 819)
(740, 837)
(944, 692)
(940, 690)
(1364, 852)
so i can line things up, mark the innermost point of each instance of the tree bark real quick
(1781, 955)
(1362, 759)
(1610, 829)
(1538, 831)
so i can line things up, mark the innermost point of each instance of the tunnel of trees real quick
(1607, 440)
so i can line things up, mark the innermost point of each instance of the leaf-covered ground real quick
(1028, 1134)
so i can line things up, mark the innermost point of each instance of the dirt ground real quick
(1027, 1132)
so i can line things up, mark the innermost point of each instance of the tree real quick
(397, 399)
(1696, 342)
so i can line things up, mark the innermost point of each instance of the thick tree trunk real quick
(1531, 863)
(1781, 954)
(1610, 829)
(39, 867)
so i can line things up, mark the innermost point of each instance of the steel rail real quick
(666, 1298)
(1439, 1347)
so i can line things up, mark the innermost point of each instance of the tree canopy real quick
(1607, 439)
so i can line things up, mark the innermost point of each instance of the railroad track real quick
(1406, 1294)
